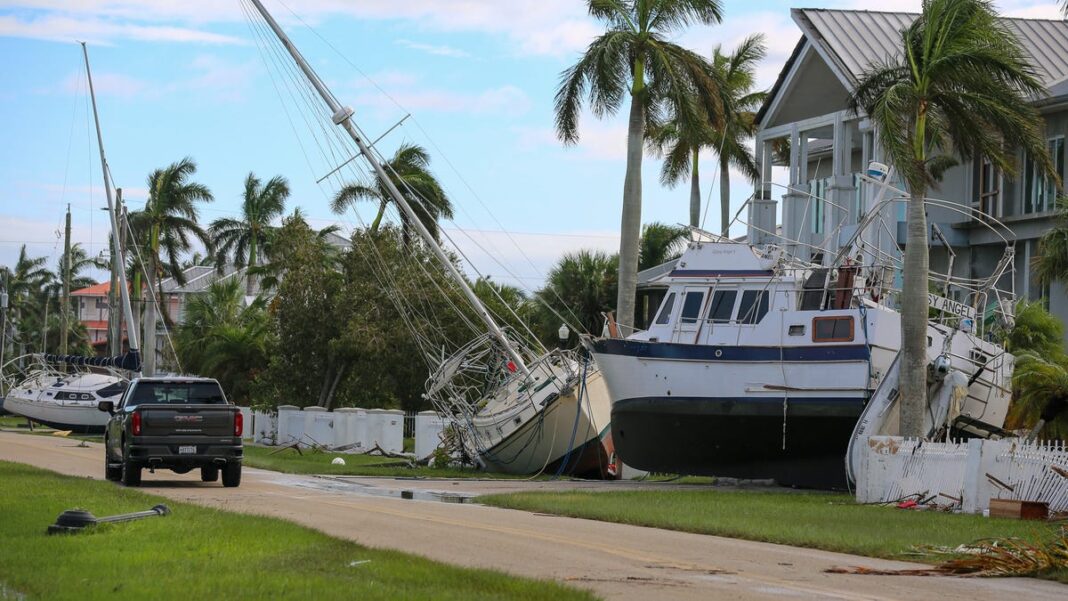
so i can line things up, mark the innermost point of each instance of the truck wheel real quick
(131, 474)
(209, 473)
(111, 472)
(231, 475)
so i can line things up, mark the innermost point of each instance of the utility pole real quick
(64, 308)
(3, 329)
(44, 324)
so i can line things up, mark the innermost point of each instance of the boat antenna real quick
(124, 292)
(342, 116)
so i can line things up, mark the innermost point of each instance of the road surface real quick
(614, 560)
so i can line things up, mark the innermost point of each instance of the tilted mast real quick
(342, 117)
(124, 292)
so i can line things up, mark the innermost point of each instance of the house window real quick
(989, 201)
(1040, 190)
(665, 310)
(691, 306)
(754, 306)
(722, 306)
(102, 303)
(832, 329)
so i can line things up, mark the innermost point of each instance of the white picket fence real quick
(347, 430)
(966, 474)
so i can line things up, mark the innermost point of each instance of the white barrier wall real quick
(265, 428)
(248, 424)
(289, 418)
(967, 474)
(428, 428)
(352, 430)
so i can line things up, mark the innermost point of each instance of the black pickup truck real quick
(180, 424)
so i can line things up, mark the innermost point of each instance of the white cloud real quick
(404, 89)
(597, 140)
(209, 74)
(60, 28)
(433, 49)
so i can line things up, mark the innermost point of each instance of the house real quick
(92, 309)
(807, 132)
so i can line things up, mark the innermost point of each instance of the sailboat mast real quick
(342, 116)
(64, 303)
(124, 292)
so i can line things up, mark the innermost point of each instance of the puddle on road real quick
(336, 485)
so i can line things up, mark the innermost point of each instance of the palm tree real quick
(1051, 263)
(635, 57)
(410, 173)
(581, 285)
(960, 87)
(223, 338)
(660, 244)
(23, 283)
(79, 262)
(727, 136)
(1040, 384)
(167, 223)
(242, 238)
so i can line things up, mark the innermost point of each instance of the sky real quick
(177, 78)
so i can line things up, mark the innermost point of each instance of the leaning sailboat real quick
(62, 391)
(517, 406)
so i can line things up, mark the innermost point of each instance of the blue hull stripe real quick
(697, 352)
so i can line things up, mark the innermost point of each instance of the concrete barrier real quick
(350, 429)
(290, 424)
(248, 423)
(392, 431)
(318, 427)
(265, 428)
(428, 428)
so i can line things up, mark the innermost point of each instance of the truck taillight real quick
(135, 423)
(239, 424)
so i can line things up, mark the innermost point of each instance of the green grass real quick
(833, 522)
(201, 553)
(317, 462)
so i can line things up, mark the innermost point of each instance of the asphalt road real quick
(616, 561)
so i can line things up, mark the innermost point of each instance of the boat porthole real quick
(719, 353)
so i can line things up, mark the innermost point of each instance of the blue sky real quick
(184, 78)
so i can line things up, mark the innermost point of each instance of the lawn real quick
(833, 522)
(317, 462)
(201, 553)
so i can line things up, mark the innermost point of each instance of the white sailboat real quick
(62, 391)
(758, 364)
(519, 408)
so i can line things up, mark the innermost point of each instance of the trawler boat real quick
(758, 365)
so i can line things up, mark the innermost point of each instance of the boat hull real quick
(734, 412)
(81, 418)
(570, 436)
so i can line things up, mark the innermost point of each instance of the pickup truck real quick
(175, 423)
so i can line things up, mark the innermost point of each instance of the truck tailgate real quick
(191, 420)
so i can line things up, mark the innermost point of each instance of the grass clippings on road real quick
(310, 461)
(832, 522)
(201, 553)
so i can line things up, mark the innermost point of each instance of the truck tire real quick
(131, 474)
(209, 473)
(231, 475)
(112, 472)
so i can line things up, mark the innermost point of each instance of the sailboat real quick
(517, 407)
(62, 391)
(759, 364)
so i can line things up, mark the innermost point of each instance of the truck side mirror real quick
(106, 406)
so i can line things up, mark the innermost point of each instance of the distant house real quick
(93, 310)
(807, 119)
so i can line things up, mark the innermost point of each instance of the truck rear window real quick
(176, 393)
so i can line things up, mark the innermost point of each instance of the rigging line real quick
(153, 295)
(712, 185)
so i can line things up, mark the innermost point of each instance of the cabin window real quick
(832, 329)
(722, 306)
(753, 307)
(665, 310)
(797, 330)
(691, 306)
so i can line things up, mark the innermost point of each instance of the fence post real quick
(973, 478)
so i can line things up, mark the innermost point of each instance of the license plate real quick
(190, 450)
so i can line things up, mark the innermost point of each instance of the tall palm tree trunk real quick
(914, 305)
(695, 192)
(378, 216)
(151, 314)
(631, 222)
(724, 198)
(250, 279)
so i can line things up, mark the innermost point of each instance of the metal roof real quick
(199, 277)
(853, 40)
(859, 38)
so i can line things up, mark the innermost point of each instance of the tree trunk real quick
(378, 217)
(724, 198)
(328, 403)
(914, 305)
(695, 192)
(249, 278)
(631, 222)
(150, 307)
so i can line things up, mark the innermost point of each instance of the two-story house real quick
(808, 137)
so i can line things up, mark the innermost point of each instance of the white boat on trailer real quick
(758, 365)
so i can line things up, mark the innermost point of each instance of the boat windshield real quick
(176, 393)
